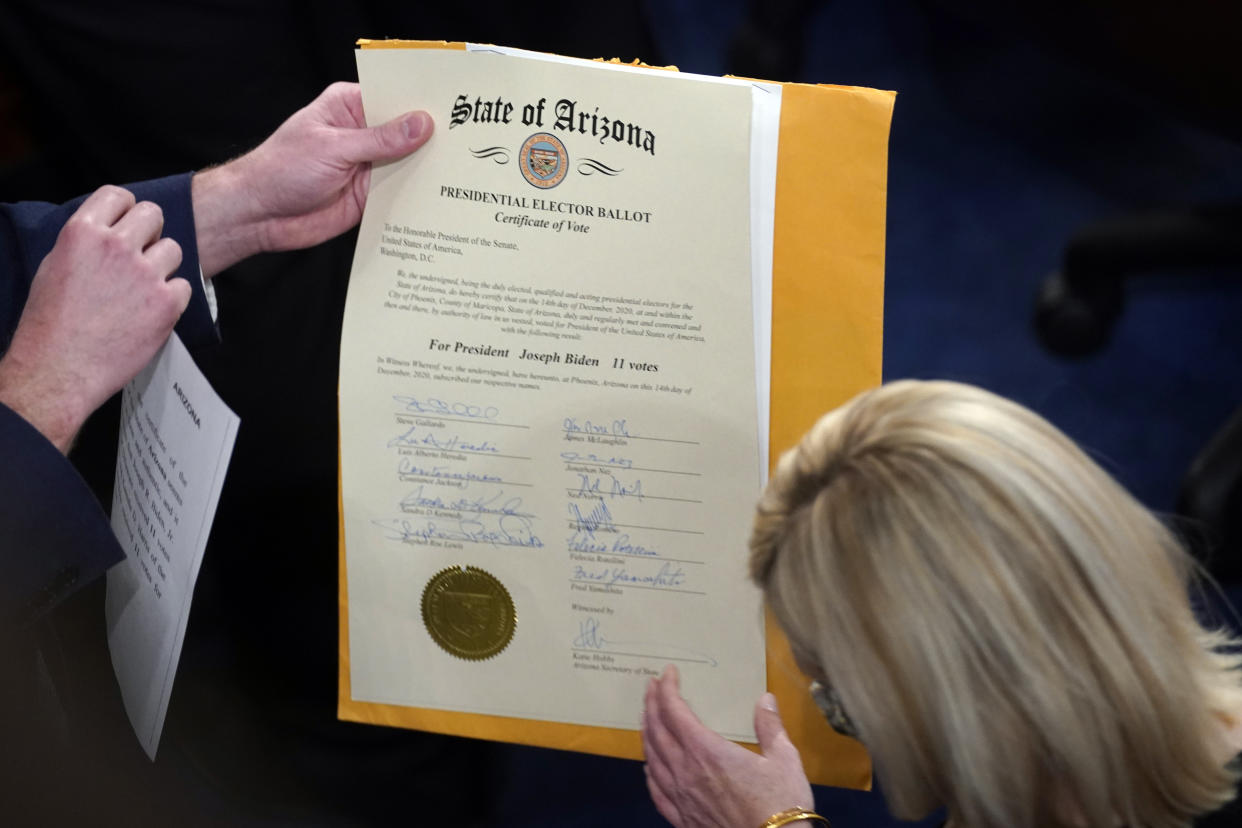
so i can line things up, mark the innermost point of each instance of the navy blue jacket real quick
(54, 535)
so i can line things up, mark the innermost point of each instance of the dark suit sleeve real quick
(29, 229)
(54, 534)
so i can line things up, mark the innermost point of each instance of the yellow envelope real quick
(827, 336)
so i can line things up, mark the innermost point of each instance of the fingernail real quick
(415, 125)
(768, 702)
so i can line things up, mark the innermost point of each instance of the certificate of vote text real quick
(549, 447)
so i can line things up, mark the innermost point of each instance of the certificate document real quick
(549, 441)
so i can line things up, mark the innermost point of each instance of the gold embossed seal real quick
(468, 612)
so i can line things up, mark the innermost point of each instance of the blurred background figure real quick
(1013, 129)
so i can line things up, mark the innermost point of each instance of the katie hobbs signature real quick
(591, 637)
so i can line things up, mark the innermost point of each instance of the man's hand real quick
(305, 184)
(699, 779)
(100, 306)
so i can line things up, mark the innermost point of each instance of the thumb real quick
(388, 141)
(773, 740)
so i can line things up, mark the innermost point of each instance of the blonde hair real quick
(1008, 628)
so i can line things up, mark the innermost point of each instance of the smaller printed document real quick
(175, 443)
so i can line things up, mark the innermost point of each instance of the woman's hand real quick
(700, 779)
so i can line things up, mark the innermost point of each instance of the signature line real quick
(640, 655)
(412, 509)
(468, 451)
(636, 586)
(437, 417)
(407, 475)
(581, 462)
(575, 524)
(635, 437)
(644, 557)
(637, 497)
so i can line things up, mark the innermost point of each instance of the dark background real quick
(1014, 127)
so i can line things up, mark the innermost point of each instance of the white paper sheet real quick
(175, 443)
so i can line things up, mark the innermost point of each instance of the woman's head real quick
(1008, 629)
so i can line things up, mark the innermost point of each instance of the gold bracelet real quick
(793, 815)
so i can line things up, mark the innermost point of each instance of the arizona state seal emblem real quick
(468, 612)
(543, 160)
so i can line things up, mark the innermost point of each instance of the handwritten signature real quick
(622, 546)
(668, 577)
(591, 637)
(447, 443)
(407, 467)
(494, 505)
(597, 520)
(583, 541)
(510, 530)
(576, 457)
(432, 405)
(595, 485)
(616, 429)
